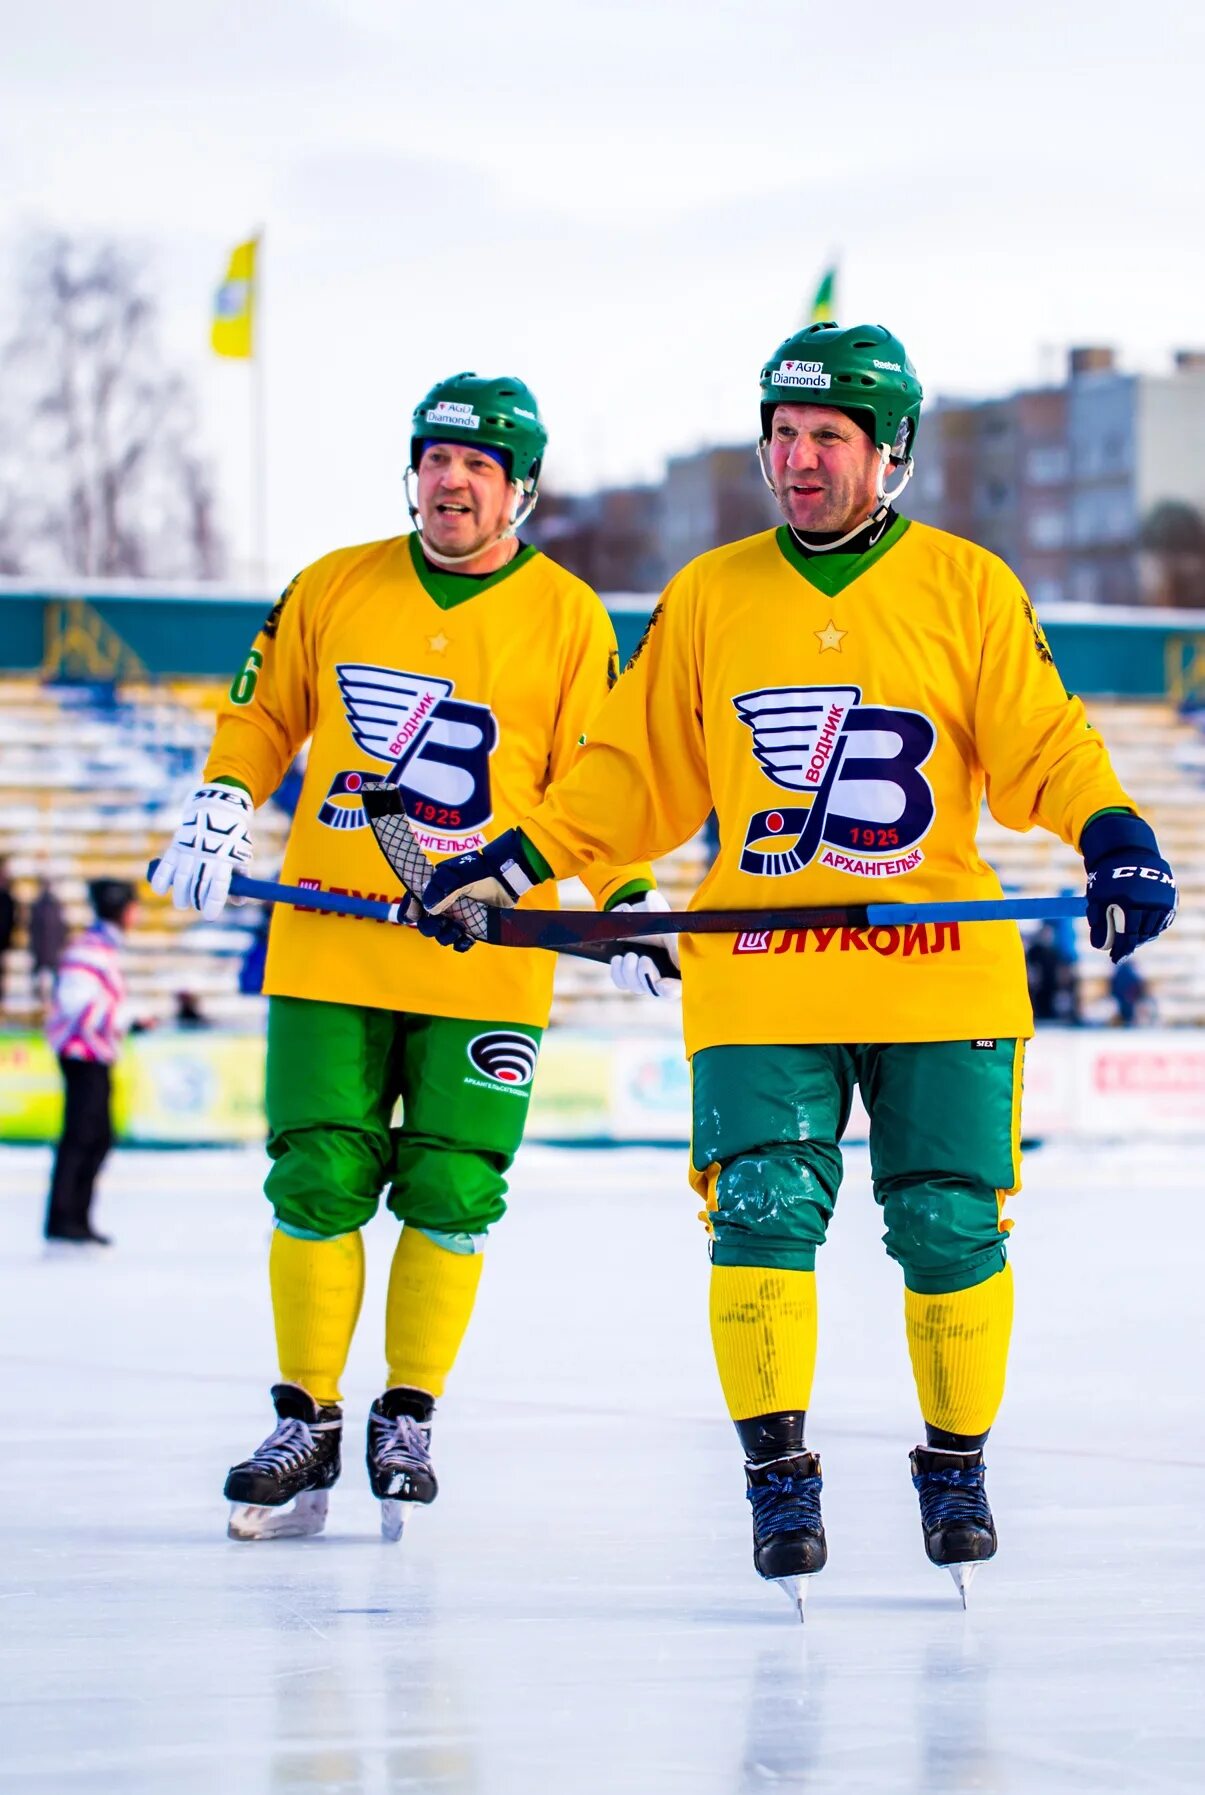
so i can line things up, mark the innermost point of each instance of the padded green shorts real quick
(944, 1151)
(336, 1074)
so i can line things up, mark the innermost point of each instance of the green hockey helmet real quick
(498, 413)
(861, 369)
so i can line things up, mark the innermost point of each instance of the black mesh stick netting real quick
(384, 806)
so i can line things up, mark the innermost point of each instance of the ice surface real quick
(578, 1611)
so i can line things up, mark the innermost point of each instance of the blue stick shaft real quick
(333, 902)
(982, 910)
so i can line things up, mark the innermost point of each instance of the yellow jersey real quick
(478, 691)
(844, 726)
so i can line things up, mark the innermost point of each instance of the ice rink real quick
(578, 1612)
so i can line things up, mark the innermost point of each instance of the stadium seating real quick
(1158, 757)
(90, 785)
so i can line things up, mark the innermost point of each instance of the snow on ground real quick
(578, 1611)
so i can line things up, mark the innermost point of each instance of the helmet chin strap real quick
(523, 506)
(883, 498)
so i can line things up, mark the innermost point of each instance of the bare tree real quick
(99, 474)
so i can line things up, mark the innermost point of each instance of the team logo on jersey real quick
(437, 746)
(506, 1057)
(342, 807)
(857, 768)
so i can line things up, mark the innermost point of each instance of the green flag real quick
(824, 305)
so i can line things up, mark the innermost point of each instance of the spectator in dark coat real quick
(1052, 987)
(47, 937)
(189, 1013)
(8, 919)
(1135, 1002)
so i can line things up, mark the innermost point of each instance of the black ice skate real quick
(399, 1455)
(959, 1531)
(297, 1463)
(788, 1533)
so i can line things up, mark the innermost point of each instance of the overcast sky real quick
(627, 204)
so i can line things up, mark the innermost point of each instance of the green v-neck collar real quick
(833, 573)
(452, 589)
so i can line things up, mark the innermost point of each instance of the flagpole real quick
(258, 421)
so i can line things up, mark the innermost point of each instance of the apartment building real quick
(1093, 491)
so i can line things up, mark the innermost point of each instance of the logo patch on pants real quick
(505, 1057)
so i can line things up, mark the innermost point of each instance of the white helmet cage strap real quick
(883, 497)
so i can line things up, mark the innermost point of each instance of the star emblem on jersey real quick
(438, 644)
(863, 803)
(830, 637)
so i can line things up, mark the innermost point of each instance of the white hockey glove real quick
(633, 971)
(212, 843)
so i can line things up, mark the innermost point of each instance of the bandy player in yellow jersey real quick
(470, 665)
(844, 690)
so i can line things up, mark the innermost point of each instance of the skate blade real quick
(394, 1514)
(306, 1517)
(796, 1591)
(963, 1575)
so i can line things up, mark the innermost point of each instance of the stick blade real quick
(385, 808)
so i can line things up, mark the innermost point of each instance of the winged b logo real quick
(437, 746)
(388, 711)
(797, 732)
(857, 768)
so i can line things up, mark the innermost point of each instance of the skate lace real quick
(785, 1504)
(949, 1497)
(289, 1444)
(399, 1442)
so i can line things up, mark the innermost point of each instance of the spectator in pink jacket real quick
(85, 1027)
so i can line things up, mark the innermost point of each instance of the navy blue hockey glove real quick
(498, 874)
(1131, 888)
(443, 929)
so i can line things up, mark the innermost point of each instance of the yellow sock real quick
(958, 1344)
(431, 1297)
(763, 1329)
(317, 1286)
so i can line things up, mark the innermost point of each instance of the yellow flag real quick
(231, 332)
(824, 305)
